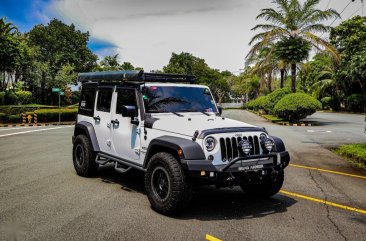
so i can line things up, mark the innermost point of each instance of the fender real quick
(191, 149)
(280, 146)
(88, 129)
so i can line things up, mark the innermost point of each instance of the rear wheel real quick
(266, 189)
(84, 157)
(167, 186)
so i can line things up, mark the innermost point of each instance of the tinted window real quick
(87, 99)
(159, 99)
(125, 97)
(104, 100)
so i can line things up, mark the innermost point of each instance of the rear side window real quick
(87, 99)
(104, 99)
(125, 97)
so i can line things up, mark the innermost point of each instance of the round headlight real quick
(245, 146)
(268, 144)
(210, 143)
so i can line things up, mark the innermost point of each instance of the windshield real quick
(162, 99)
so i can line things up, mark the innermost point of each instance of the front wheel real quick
(266, 189)
(167, 186)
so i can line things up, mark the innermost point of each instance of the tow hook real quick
(274, 174)
(230, 180)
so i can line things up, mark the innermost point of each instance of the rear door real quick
(102, 118)
(125, 136)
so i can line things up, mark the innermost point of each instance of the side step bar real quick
(103, 159)
(121, 169)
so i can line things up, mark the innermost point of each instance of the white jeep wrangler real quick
(174, 133)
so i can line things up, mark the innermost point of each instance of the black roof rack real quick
(133, 77)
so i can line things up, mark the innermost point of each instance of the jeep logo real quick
(239, 135)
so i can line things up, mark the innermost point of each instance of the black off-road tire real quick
(84, 157)
(179, 192)
(266, 189)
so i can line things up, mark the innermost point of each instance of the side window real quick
(125, 97)
(87, 100)
(104, 99)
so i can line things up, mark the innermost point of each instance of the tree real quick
(110, 63)
(57, 45)
(349, 38)
(293, 24)
(186, 63)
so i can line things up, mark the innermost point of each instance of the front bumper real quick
(258, 165)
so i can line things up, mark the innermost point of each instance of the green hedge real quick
(51, 115)
(326, 101)
(272, 99)
(356, 103)
(18, 109)
(296, 106)
(256, 104)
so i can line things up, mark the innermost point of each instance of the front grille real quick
(230, 150)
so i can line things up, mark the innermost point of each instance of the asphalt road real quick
(42, 198)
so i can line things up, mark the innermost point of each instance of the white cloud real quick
(146, 32)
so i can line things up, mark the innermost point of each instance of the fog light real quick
(245, 146)
(268, 144)
(210, 157)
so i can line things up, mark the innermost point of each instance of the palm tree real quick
(7, 28)
(294, 24)
(264, 66)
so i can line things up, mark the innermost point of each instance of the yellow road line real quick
(324, 202)
(329, 171)
(211, 238)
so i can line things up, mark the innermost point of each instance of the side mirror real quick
(129, 111)
(219, 108)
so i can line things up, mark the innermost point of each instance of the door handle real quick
(96, 118)
(115, 122)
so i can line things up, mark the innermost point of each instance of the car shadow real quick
(208, 203)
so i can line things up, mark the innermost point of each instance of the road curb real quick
(289, 124)
(39, 124)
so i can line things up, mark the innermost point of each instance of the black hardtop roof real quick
(133, 77)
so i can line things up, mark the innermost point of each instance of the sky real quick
(146, 32)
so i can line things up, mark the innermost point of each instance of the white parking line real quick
(24, 132)
(16, 128)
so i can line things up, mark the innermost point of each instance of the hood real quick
(188, 123)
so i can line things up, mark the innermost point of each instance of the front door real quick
(125, 136)
(102, 118)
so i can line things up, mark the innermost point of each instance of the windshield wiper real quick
(177, 114)
(205, 113)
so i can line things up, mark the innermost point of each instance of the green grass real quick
(273, 118)
(354, 153)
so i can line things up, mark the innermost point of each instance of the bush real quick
(2, 97)
(355, 103)
(273, 98)
(256, 104)
(11, 98)
(24, 97)
(326, 102)
(18, 109)
(51, 115)
(15, 118)
(296, 106)
(3, 118)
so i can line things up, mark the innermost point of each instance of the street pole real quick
(59, 108)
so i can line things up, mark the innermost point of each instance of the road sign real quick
(55, 89)
(62, 93)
